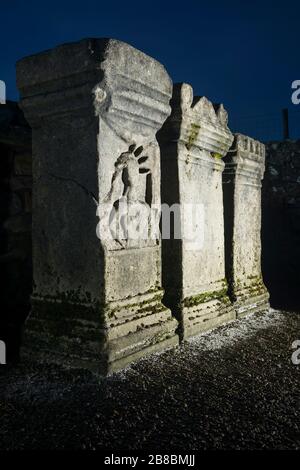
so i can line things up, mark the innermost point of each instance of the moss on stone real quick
(152, 305)
(204, 297)
(193, 135)
(216, 155)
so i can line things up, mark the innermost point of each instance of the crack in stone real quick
(64, 178)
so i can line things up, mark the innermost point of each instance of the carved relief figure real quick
(125, 217)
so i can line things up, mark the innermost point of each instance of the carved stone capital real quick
(198, 124)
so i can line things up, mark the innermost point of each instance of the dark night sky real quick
(244, 54)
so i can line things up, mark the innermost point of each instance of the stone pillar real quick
(95, 107)
(244, 169)
(193, 141)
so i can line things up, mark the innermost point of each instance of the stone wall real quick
(281, 223)
(15, 224)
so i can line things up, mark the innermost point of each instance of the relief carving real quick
(126, 214)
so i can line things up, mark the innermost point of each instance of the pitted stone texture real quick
(95, 107)
(193, 141)
(245, 164)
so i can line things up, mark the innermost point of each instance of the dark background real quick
(244, 54)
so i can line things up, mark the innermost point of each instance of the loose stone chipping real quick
(244, 169)
(95, 107)
(193, 142)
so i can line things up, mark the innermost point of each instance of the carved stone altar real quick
(95, 107)
(244, 170)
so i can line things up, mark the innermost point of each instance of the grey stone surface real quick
(244, 169)
(95, 107)
(193, 141)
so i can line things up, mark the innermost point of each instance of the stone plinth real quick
(193, 141)
(244, 169)
(95, 107)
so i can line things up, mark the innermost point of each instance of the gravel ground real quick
(232, 388)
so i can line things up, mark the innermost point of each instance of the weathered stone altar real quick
(244, 169)
(95, 107)
(193, 141)
(15, 226)
(103, 291)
